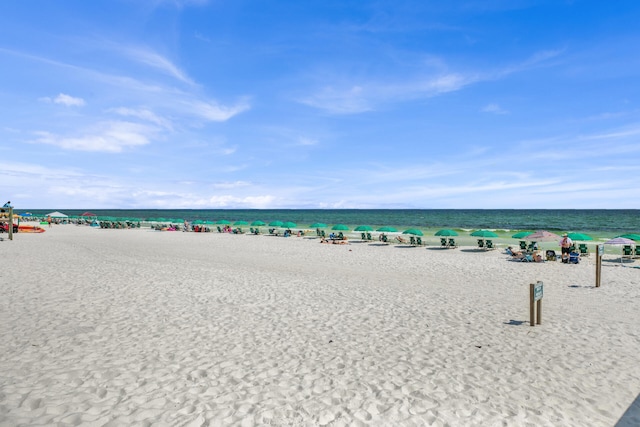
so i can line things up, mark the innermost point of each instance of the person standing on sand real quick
(49, 221)
(565, 247)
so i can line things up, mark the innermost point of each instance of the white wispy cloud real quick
(157, 61)
(215, 112)
(64, 99)
(368, 94)
(493, 108)
(143, 114)
(110, 137)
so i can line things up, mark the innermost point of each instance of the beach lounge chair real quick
(627, 251)
(443, 242)
(532, 246)
(419, 241)
(583, 249)
(218, 227)
(527, 258)
(523, 245)
(363, 236)
(481, 243)
(412, 240)
(369, 238)
(489, 245)
(636, 253)
(452, 244)
(384, 238)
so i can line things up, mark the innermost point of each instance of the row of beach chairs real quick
(448, 243)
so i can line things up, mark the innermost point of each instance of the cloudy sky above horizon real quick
(320, 104)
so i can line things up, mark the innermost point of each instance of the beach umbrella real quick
(223, 222)
(88, 214)
(542, 235)
(289, 224)
(446, 233)
(387, 229)
(631, 236)
(275, 224)
(340, 227)
(318, 225)
(363, 228)
(241, 223)
(521, 234)
(413, 231)
(580, 236)
(258, 223)
(484, 233)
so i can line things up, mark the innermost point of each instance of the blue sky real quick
(320, 104)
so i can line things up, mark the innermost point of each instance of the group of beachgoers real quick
(567, 255)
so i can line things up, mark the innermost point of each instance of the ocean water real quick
(601, 222)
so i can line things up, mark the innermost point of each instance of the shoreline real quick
(121, 327)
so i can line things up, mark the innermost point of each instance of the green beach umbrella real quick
(223, 222)
(241, 223)
(275, 224)
(446, 233)
(258, 223)
(363, 228)
(484, 233)
(318, 225)
(413, 231)
(521, 234)
(579, 236)
(289, 224)
(198, 221)
(340, 227)
(631, 236)
(387, 229)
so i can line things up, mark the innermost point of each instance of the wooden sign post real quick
(535, 299)
(599, 253)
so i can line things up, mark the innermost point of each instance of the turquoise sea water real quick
(600, 222)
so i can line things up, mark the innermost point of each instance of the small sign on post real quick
(536, 291)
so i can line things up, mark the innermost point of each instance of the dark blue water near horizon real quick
(585, 220)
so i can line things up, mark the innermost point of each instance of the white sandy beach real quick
(146, 328)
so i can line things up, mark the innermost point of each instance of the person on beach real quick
(565, 247)
(514, 253)
(49, 221)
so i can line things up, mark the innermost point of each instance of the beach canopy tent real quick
(57, 214)
(620, 241)
(446, 233)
